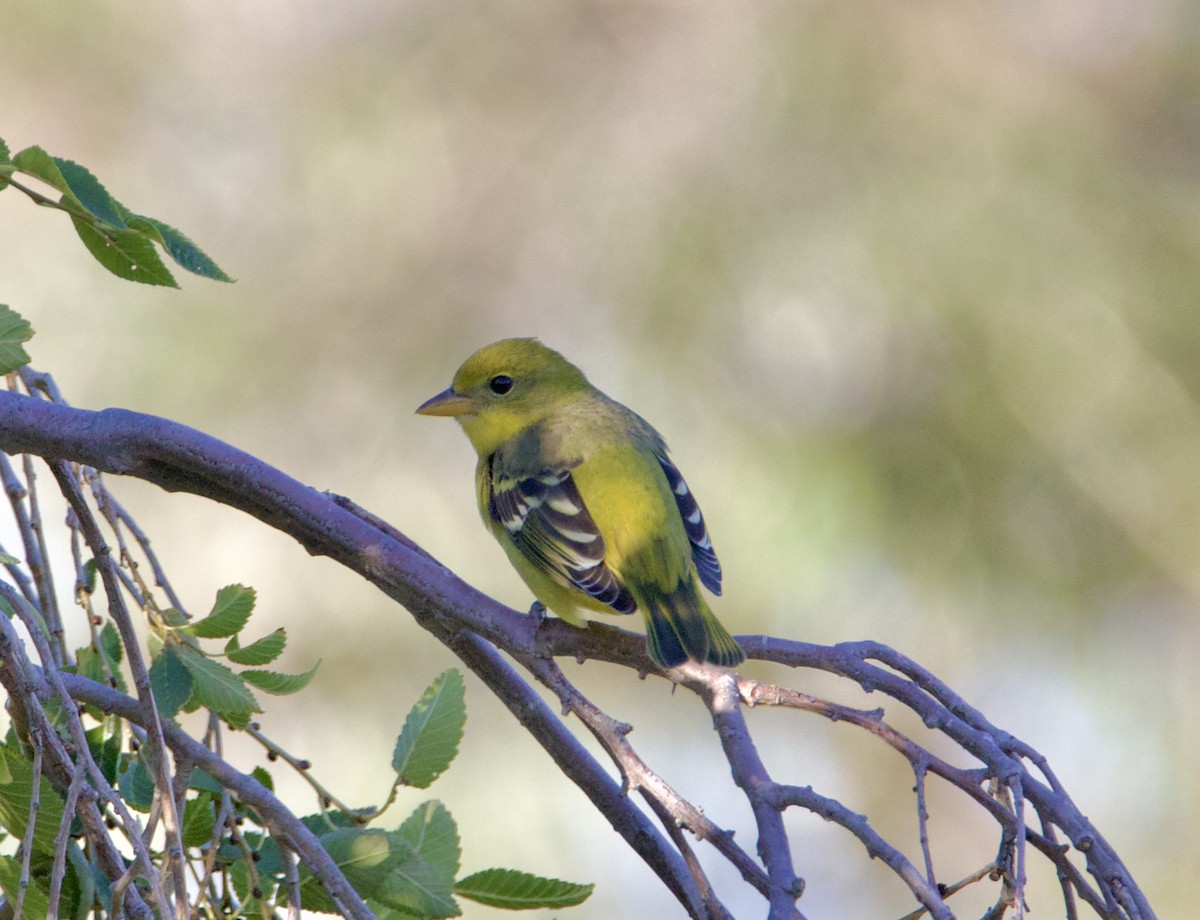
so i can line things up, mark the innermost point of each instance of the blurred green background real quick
(911, 289)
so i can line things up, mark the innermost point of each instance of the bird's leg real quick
(537, 610)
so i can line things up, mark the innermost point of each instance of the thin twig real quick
(42, 575)
(156, 749)
(35, 807)
(62, 839)
(678, 812)
(291, 877)
(750, 773)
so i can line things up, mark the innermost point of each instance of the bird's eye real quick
(501, 384)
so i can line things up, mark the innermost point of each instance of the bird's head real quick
(504, 388)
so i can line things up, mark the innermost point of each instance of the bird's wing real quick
(546, 519)
(703, 555)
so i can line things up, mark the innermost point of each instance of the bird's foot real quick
(538, 609)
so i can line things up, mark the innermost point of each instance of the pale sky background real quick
(911, 290)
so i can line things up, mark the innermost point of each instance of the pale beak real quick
(446, 402)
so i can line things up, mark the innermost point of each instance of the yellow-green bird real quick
(580, 492)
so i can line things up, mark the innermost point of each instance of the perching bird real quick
(580, 493)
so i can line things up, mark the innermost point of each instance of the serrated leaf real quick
(512, 890)
(199, 821)
(261, 651)
(365, 855)
(112, 652)
(240, 874)
(36, 905)
(264, 777)
(34, 161)
(203, 781)
(416, 887)
(270, 859)
(171, 682)
(88, 192)
(430, 831)
(126, 254)
(110, 644)
(218, 688)
(137, 787)
(89, 664)
(186, 254)
(104, 742)
(432, 731)
(121, 241)
(14, 803)
(230, 612)
(422, 883)
(4, 155)
(89, 575)
(280, 684)
(14, 330)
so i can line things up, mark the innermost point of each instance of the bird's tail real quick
(680, 626)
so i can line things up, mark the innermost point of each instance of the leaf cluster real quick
(186, 676)
(122, 241)
(414, 870)
(411, 871)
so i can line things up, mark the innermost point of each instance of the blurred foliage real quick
(910, 289)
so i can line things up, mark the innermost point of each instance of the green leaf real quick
(88, 192)
(240, 874)
(37, 901)
(365, 855)
(14, 329)
(263, 776)
(171, 681)
(262, 651)
(137, 787)
(4, 155)
(34, 161)
(125, 253)
(415, 887)
(199, 821)
(431, 832)
(432, 731)
(89, 664)
(89, 575)
(218, 688)
(104, 742)
(424, 881)
(280, 684)
(14, 803)
(110, 645)
(512, 890)
(121, 241)
(203, 781)
(230, 612)
(186, 254)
